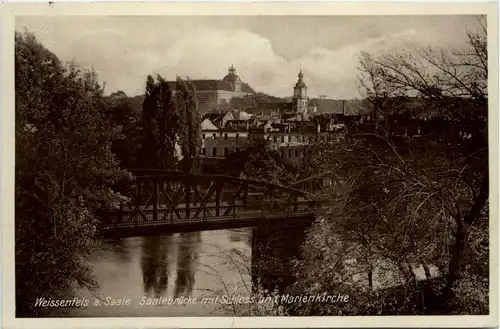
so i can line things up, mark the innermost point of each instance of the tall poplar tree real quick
(190, 136)
(161, 125)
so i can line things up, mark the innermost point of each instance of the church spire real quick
(300, 82)
(300, 94)
(232, 70)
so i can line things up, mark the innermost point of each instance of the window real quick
(215, 135)
(226, 151)
(283, 139)
(214, 151)
(275, 138)
(289, 153)
(237, 135)
(203, 136)
(225, 136)
(299, 153)
(203, 150)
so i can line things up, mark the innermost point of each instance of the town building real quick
(221, 143)
(287, 124)
(215, 95)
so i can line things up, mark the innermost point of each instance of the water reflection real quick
(197, 264)
(155, 265)
(240, 235)
(187, 263)
(119, 248)
(235, 235)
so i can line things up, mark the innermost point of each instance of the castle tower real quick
(300, 95)
(233, 79)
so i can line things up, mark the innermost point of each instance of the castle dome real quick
(231, 76)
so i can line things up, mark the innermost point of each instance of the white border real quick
(11, 10)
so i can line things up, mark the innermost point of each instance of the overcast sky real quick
(266, 51)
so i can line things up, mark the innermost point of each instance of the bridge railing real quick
(204, 214)
(177, 199)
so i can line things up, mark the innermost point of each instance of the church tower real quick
(300, 95)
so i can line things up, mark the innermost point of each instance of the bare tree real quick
(402, 201)
(454, 177)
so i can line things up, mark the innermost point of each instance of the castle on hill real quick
(215, 95)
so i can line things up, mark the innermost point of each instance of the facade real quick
(215, 95)
(299, 104)
(221, 143)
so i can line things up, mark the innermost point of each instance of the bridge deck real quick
(134, 224)
(178, 202)
(202, 224)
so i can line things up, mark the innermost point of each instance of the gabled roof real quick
(212, 116)
(213, 85)
(208, 125)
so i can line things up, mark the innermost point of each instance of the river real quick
(193, 265)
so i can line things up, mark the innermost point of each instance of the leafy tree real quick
(169, 121)
(189, 138)
(260, 162)
(127, 147)
(161, 124)
(64, 167)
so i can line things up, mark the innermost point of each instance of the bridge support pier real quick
(218, 190)
(274, 245)
(245, 196)
(155, 201)
(188, 196)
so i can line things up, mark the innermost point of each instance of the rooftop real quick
(214, 85)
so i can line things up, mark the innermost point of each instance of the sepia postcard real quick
(249, 165)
